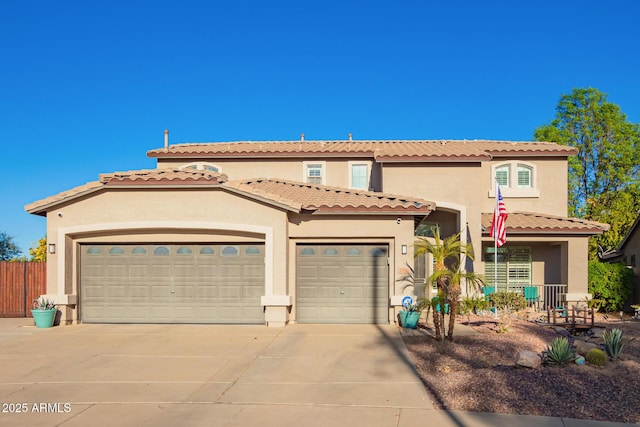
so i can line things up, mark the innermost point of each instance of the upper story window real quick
(516, 179)
(314, 172)
(524, 176)
(359, 175)
(502, 175)
(202, 166)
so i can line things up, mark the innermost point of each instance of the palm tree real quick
(453, 277)
(447, 251)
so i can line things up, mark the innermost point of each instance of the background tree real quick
(8, 248)
(39, 253)
(603, 176)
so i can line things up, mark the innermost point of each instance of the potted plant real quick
(43, 312)
(410, 316)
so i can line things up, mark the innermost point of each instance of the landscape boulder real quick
(583, 347)
(529, 359)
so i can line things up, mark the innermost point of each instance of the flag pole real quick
(495, 247)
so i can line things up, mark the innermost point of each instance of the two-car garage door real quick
(172, 283)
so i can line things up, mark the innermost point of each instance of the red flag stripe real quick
(498, 222)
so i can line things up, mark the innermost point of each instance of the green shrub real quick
(613, 342)
(559, 352)
(509, 301)
(597, 357)
(472, 305)
(612, 283)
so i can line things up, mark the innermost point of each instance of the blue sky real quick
(89, 87)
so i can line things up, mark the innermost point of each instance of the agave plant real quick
(43, 304)
(559, 352)
(614, 343)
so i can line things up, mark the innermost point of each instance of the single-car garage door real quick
(171, 283)
(342, 283)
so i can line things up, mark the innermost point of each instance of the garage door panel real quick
(308, 272)
(172, 283)
(206, 270)
(330, 272)
(355, 272)
(116, 291)
(137, 270)
(117, 271)
(183, 271)
(253, 271)
(210, 292)
(329, 291)
(351, 285)
(139, 291)
(305, 292)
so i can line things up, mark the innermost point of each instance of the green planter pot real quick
(409, 319)
(44, 318)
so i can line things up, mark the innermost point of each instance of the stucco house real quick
(304, 231)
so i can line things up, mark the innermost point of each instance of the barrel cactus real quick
(596, 357)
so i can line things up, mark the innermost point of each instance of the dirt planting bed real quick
(478, 373)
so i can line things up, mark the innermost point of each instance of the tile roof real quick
(131, 178)
(418, 150)
(291, 195)
(163, 176)
(325, 199)
(528, 222)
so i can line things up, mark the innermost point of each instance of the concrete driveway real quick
(197, 375)
(205, 375)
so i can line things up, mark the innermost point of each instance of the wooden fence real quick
(20, 284)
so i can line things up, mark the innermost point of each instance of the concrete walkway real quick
(197, 375)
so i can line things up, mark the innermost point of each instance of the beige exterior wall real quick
(454, 188)
(166, 215)
(471, 187)
(336, 170)
(548, 195)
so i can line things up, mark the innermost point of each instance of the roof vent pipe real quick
(302, 137)
(166, 140)
(350, 137)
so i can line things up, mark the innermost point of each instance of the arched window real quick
(202, 166)
(502, 175)
(230, 251)
(525, 174)
(252, 250)
(184, 250)
(161, 251)
(516, 179)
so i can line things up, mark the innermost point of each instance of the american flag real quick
(498, 222)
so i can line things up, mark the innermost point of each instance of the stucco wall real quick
(336, 170)
(550, 177)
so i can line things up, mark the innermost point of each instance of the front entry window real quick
(514, 267)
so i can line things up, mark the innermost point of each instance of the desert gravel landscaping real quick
(478, 373)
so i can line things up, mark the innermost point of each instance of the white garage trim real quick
(180, 225)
